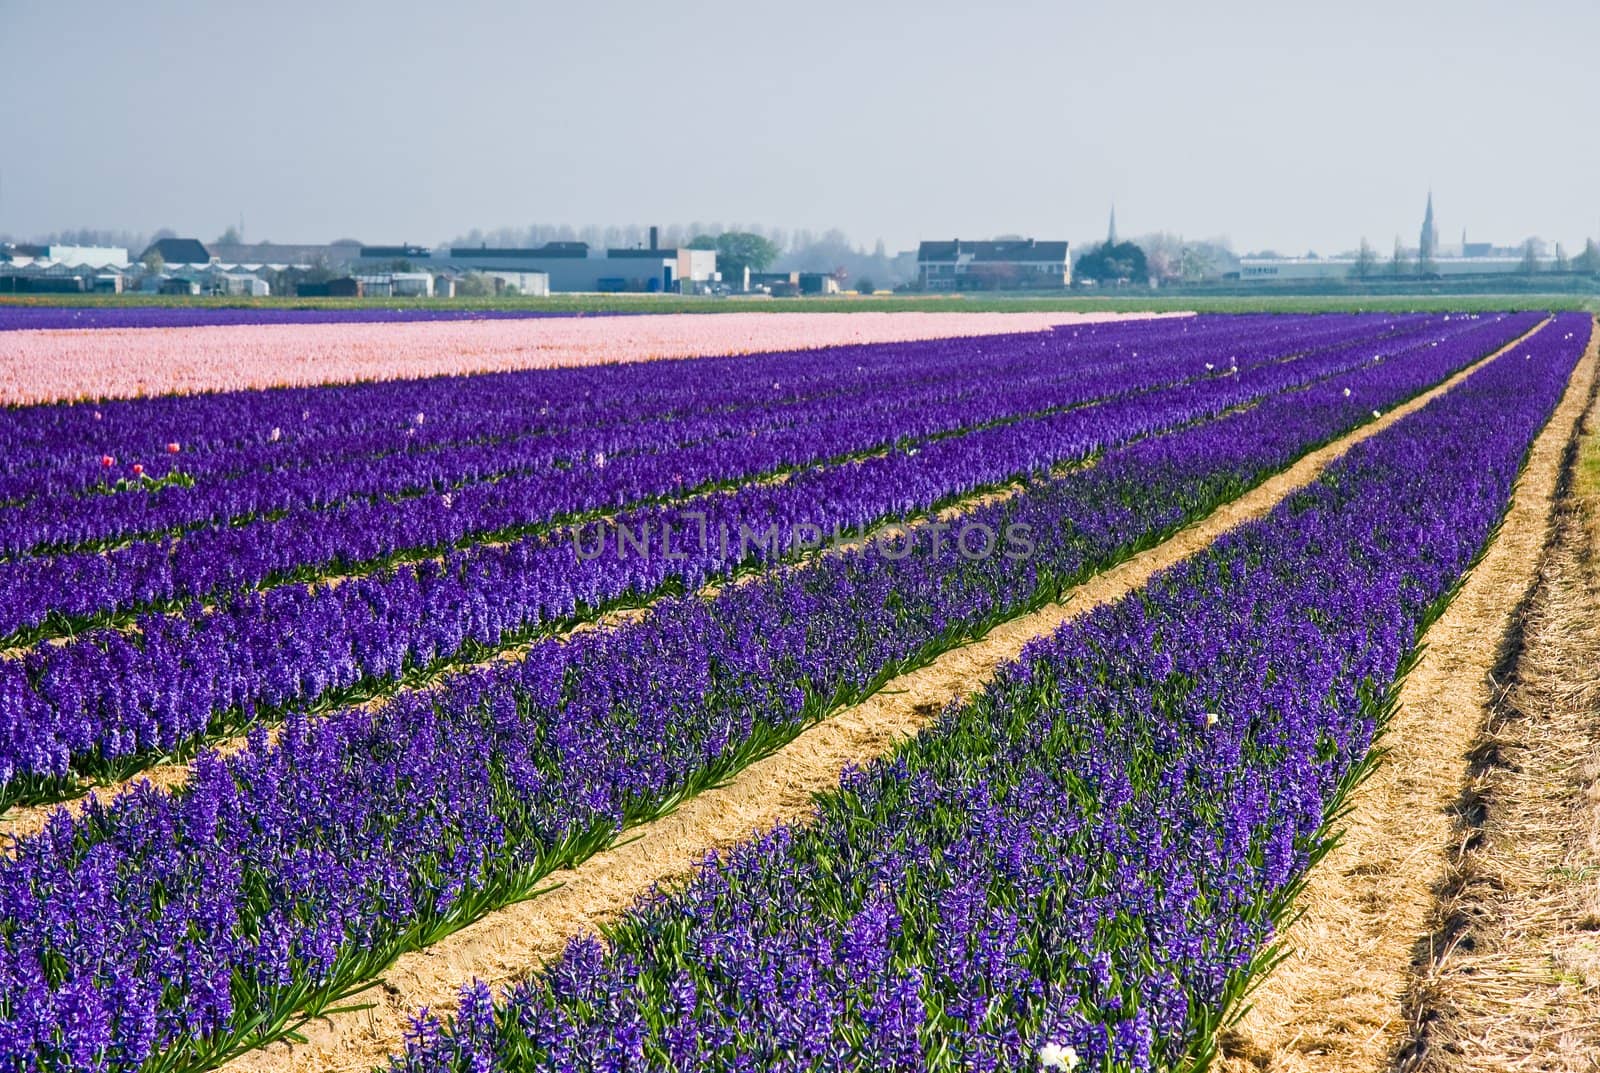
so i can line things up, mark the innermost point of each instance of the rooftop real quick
(1001, 250)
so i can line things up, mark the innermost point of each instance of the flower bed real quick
(1082, 868)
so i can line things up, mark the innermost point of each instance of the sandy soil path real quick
(514, 941)
(1335, 1003)
(1512, 980)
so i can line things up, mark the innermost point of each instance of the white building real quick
(412, 284)
(244, 284)
(72, 256)
(89, 256)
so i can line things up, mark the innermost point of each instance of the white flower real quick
(420, 417)
(1377, 413)
(1055, 1056)
(445, 499)
(1212, 718)
(600, 459)
(1347, 393)
(1209, 366)
(277, 434)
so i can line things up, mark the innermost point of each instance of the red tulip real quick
(172, 448)
(138, 470)
(107, 461)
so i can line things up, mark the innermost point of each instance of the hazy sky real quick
(1287, 124)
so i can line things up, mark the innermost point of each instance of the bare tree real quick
(1399, 264)
(1530, 257)
(1366, 260)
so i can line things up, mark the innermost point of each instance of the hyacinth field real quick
(129, 352)
(325, 636)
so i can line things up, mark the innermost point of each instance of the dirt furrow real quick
(1335, 1002)
(1510, 974)
(513, 942)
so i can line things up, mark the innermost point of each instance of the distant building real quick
(393, 253)
(31, 279)
(178, 251)
(1428, 247)
(777, 284)
(91, 256)
(373, 286)
(335, 255)
(1291, 269)
(1427, 260)
(85, 256)
(62, 269)
(1022, 264)
(245, 284)
(411, 284)
(575, 267)
(341, 287)
(394, 284)
(518, 281)
(817, 283)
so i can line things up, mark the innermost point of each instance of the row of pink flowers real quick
(45, 366)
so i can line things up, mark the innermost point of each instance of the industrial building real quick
(335, 255)
(575, 267)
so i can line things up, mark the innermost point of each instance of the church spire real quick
(1111, 232)
(1430, 234)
